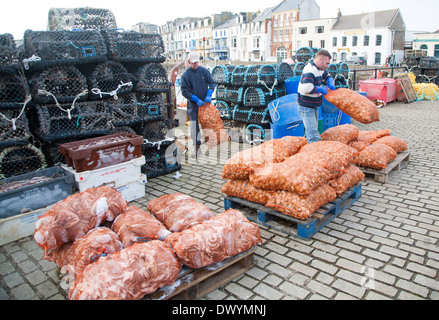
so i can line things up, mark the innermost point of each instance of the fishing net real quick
(81, 19)
(225, 111)
(304, 54)
(151, 106)
(20, 160)
(8, 50)
(252, 115)
(14, 90)
(161, 158)
(59, 84)
(222, 74)
(262, 96)
(43, 49)
(298, 69)
(151, 77)
(134, 46)
(109, 79)
(13, 133)
(283, 71)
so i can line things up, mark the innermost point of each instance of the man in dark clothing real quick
(310, 93)
(197, 85)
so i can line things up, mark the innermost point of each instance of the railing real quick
(375, 70)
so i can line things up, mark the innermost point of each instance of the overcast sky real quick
(17, 16)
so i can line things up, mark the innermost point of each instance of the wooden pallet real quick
(303, 229)
(382, 175)
(193, 284)
(407, 87)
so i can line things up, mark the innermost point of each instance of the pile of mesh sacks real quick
(296, 178)
(291, 176)
(113, 251)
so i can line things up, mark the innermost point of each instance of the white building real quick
(428, 42)
(260, 36)
(312, 33)
(374, 35)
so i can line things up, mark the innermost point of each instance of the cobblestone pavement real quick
(385, 246)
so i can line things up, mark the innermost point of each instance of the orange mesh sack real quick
(301, 207)
(136, 225)
(343, 133)
(178, 211)
(350, 178)
(243, 163)
(72, 258)
(398, 144)
(212, 125)
(338, 149)
(376, 156)
(354, 105)
(79, 213)
(245, 190)
(214, 240)
(129, 274)
(292, 144)
(296, 174)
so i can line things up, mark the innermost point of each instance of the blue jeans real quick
(311, 122)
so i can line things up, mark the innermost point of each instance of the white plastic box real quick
(133, 190)
(114, 176)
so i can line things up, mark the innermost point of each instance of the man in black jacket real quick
(197, 85)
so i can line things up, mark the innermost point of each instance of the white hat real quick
(193, 57)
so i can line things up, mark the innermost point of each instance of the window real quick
(281, 52)
(334, 41)
(302, 30)
(436, 50)
(377, 58)
(366, 41)
(320, 29)
(322, 44)
(275, 36)
(354, 41)
(344, 41)
(234, 43)
(310, 43)
(424, 47)
(334, 56)
(379, 40)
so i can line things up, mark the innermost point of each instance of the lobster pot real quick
(298, 69)
(87, 119)
(344, 70)
(150, 106)
(333, 70)
(160, 158)
(224, 109)
(10, 136)
(238, 76)
(220, 92)
(151, 77)
(251, 115)
(153, 131)
(55, 48)
(305, 54)
(261, 96)
(51, 151)
(283, 71)
(65, 83)
(222, 74)
(234, 94)
(256, 134)
(124, 110)
(8, 50)
(81, 18)
(260, 74)
(107, 79)
(14, 90)
(19, 160)
(341, 82)
(134, 46)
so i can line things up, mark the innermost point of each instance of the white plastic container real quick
(113, 176)
(20, 226)
(133, 190)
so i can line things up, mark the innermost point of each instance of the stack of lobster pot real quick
(18, 153)
(244, 92)
(89, 83)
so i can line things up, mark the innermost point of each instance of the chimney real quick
(338, 13)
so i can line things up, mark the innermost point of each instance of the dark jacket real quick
(196, 82)
(312, 77)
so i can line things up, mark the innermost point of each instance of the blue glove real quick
(197, 100)
(208, 98)
(330, 83)
(322, 90)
